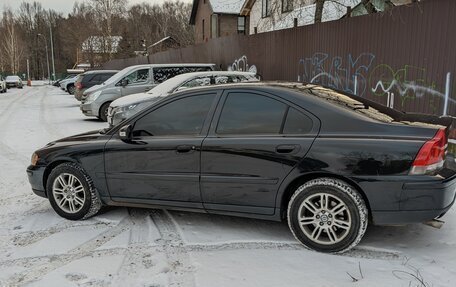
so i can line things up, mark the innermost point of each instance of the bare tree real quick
(12, 44)
(107, 11)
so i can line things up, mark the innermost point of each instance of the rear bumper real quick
(35, 176)
(420, 202)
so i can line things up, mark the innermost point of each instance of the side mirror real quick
(124, 82)
(125, 133)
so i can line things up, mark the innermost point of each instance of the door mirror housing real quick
(124, 82)
(125, 133)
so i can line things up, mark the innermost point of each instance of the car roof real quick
(172, 65)
(99, 72)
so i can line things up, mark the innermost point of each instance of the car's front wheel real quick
(71, 192)
(327, 215)
(104, 112)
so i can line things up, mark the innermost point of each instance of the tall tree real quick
(107, 11)
(12, 46)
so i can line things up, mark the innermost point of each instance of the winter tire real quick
(327, 215)
(104, 112)
(71, 89)
(71, 192)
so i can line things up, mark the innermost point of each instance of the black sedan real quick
(326, 162)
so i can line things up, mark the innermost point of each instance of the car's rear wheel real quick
(71, 192)
(104, 112)
(327, 215)
(71, 89)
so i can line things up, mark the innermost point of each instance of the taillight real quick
(79, 85)
(431, 155)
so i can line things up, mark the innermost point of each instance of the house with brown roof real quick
(217, 18)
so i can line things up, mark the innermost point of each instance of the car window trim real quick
(215, 121)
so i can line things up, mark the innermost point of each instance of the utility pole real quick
(52, 50)
(47, 57)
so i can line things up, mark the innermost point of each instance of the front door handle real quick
(185, 148)
(286, 148)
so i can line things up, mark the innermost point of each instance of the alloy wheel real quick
(324, 218)
(68, 192)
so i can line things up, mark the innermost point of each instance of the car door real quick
(161, 164)
(255, 141)
(139, 81)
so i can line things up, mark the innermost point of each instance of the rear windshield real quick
(367, 107)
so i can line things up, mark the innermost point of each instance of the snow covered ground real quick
(145, 247)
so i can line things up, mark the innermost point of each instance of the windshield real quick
(118, 76)
(169, 85)
(12, 78)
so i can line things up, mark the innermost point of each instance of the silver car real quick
(2, 85)
(132, 80)
(125, 107)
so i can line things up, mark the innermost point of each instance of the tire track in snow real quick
(5, 150)
(181, 273)
(36, 271)
(44, 109)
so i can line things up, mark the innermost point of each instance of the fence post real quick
(255, 30)
(295, 22)
(447, 94)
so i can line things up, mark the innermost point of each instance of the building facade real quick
(217, 18)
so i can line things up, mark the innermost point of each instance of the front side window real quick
(181, 117)
(252, 114)
(138, 76)
(198, 82)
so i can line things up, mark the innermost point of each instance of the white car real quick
(14, 81)
(127, 106)
(68, 84)
(3, 88)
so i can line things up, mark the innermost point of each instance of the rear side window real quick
(297, 123)
(94, 78)
(245, 113)
(164, 73)
(181, 117)
(104, 77)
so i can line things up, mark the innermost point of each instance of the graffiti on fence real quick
(242, 65)
(409, 82)
(346, 74)
(359, 75)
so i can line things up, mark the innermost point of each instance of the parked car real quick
(89, 79)
(14, 81)
(125, 107)
(3, 87)
(326, 162)
(132, 80)
(68, 84)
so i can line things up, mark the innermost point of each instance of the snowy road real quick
(145, 247)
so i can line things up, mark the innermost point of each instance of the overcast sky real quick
(64, 6)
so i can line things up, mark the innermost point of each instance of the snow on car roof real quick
(226, 6)
(169, 85)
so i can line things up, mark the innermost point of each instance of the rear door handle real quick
(286, 148)
(185, 148)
